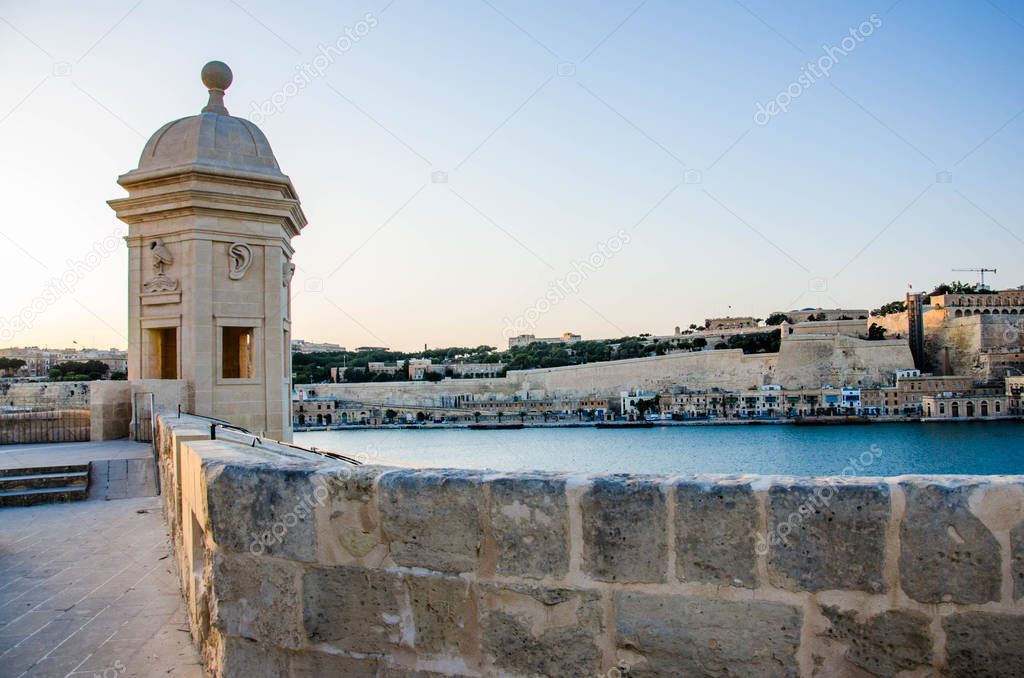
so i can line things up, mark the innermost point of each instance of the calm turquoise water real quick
(974, 448)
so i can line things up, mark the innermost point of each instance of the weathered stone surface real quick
(263, 510)
(714, 524)
(547, 632)
(347, 521)
(244, 657)
(320, 664)
(438, 609)
(984, 644)
(946, 554)
(353, 608)
(258, 598)
(687, 636)
(400, 672)
(530, 523)
(827, 536)
(432, 518)
(624, 530)
(884, 644)
(1017, 564)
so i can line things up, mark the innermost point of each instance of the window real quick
(237, 356)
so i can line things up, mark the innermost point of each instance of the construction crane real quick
(982, 271)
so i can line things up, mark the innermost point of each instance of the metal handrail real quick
(256, 438)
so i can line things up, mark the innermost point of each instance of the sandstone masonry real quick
(293, 564)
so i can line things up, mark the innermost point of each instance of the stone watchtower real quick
(210, 220)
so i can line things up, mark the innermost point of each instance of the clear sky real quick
(603, 167)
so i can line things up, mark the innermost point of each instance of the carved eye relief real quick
(240, 255)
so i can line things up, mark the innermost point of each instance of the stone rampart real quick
(296, 565)
(803, 361)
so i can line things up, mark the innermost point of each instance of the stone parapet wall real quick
(300, 566)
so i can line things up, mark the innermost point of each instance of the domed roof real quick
(213, 138)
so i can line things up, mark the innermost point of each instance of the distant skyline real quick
(479, 168)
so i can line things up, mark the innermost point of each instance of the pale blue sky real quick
(558, 126)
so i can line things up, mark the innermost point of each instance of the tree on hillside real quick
(876, 332)
(958, 287)
(757, 342)
(11, 365)
(892, 307)
(75, 370)
(778, 319)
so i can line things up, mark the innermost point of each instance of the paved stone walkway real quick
(89, 589)
(54, 454)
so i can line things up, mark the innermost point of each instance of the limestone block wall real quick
(965, 339)
(802, 362)
(299, 566)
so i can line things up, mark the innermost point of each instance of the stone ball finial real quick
(217, 77)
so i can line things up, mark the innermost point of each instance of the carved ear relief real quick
(240, 255)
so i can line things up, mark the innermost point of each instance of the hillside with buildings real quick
(912, 358)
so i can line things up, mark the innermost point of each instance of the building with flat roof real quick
(805, 314)
(964, 406)
(730, 323)
(301, 346)
(911, 390)
(1002, 302)
(527, 339)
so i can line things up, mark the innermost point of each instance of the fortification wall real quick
(727, 368)
(803, 361)
(810, 362)
(963, 339)
(44, 392)
(850, 328)
(300, 567)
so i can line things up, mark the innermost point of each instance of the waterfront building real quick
(964, 406)
(911, 390)
(1015, 392)
(628, 401)
(879, 401)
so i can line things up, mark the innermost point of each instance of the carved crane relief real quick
(162, 257)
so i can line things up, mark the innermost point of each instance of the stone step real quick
(46, 495)
(30, 470)
(38, 481)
